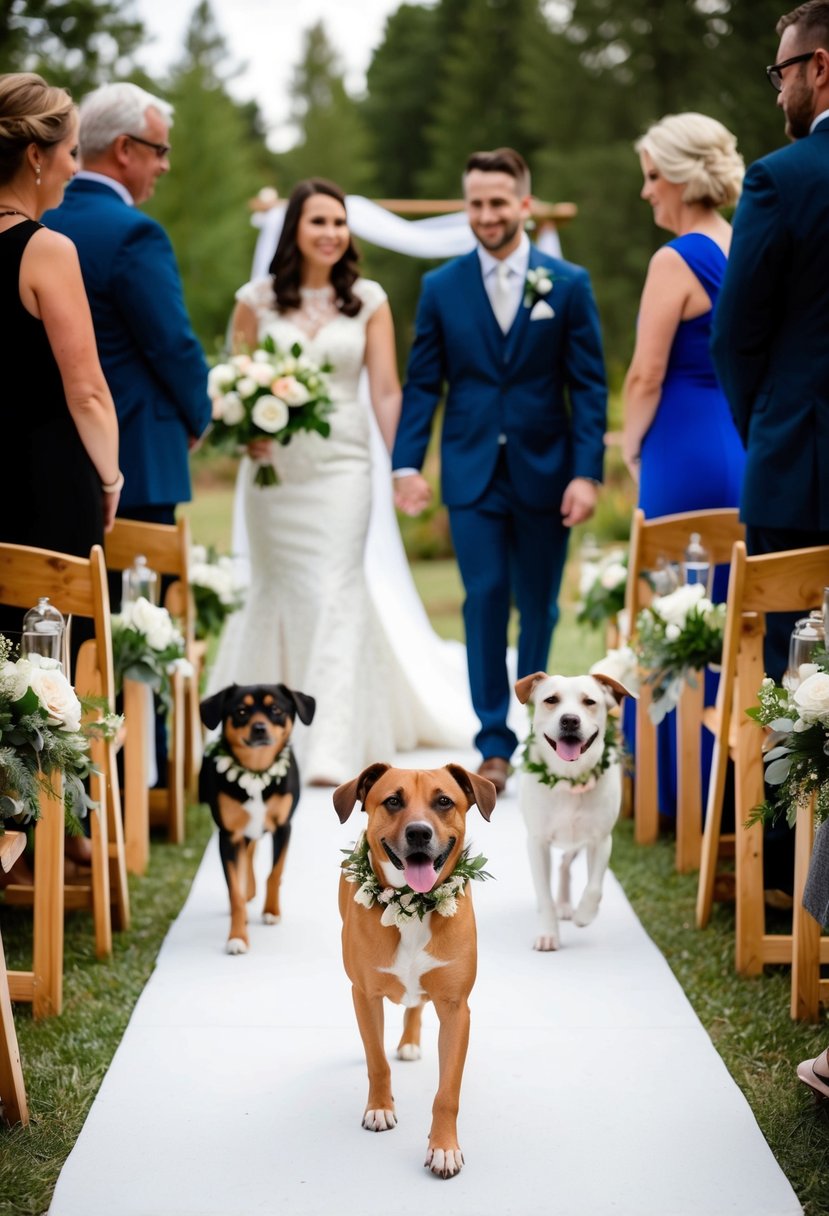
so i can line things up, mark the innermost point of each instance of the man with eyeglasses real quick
(152, 361)
(771, 328)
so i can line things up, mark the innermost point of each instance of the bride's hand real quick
(412, 493)
(260, 449)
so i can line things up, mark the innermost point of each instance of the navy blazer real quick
(771, 335)
(542, 385)
(152, 361)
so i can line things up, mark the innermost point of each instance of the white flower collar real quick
(251, 782)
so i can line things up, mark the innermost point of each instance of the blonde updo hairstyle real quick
(698, 152)
(31, 112)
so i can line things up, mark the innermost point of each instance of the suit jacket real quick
(542, 385)
(153, 363)
(771, 335)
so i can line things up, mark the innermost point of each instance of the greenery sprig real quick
(676, 636)
(402, 904)
(602, 589)
(612, 753)
(797, 760)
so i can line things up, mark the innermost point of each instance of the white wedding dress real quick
(382, 682)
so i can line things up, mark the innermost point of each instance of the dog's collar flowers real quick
(251, 782)
(611, 754)
(402, 904)
(538, 284)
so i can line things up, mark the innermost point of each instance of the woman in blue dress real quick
(679, 441)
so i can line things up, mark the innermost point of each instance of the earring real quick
(37, 176)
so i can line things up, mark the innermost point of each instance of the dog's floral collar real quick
(251, 782)
(611, 754)
(402, 904)
(538, 284)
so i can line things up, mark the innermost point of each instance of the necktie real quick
(502, 302)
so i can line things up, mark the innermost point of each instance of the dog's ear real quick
(614, 691)
(525, 686)
(478, 790)
(303, 704)
(212, 709)
(345, 796)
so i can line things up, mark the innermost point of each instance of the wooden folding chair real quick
(167, 550)
(12, 1090)
(808, 990)
(773, 582)
(76, 586)
(666, 538)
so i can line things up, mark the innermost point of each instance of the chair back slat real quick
(165, 547)
(786, 582)
(26, 574)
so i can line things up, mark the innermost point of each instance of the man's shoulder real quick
(451, 271)
(788, 164)
(560, 268)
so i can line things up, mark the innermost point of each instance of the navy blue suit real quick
(152, 361)
(771, 351)
(541, 388)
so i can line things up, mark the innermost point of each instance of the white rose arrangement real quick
(41, 737)
(147, 646)
(602, 589)
(796, 752)
(268, 394)
(677, 636)
(217, 589)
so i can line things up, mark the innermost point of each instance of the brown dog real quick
(409, 929)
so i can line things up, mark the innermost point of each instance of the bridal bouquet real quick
(147, 646)
(217, 591)
(41, 737)
(602, 589)
(797, 753)
(267, 395)
(677, 635)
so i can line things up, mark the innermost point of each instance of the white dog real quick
(570, 795)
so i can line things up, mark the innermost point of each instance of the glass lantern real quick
(807, 637)
(43, 630)
(139, 581)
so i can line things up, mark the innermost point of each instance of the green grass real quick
(65, 1058)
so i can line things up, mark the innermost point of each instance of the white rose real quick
(233, 411)
(587, 577)
(219, 379)
(247, 386)
(804, 671)
(262, 373)
(613, 576)
(56, 695)
(270, 414)
(198, 554)
(241, 362)
(674, 607)
(289, 390)
(812, 697)
(154, 622)
(673, 632)
(261, 356)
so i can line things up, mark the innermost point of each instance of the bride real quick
(309, 620)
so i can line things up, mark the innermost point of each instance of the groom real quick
(515, 334)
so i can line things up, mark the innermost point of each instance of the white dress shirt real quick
(818, 118)
(86, 175)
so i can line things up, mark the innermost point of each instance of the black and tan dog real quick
(250, 780)
(413, 850)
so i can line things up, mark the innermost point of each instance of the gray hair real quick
(113, 110)
(698, 152)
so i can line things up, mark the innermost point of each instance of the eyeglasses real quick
(773, 71)
(161, 150)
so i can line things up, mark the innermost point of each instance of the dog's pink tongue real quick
(567, 750)
(420, 875)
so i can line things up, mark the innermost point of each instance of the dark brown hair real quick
(286, 266)
(502, 160)
(811, 19)
(31, 112)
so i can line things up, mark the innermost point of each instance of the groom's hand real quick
(412, 493)
(579, 501)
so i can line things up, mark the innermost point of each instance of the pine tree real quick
(74, 43)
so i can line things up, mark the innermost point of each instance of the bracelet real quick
(112, 487)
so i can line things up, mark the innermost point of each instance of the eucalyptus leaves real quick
(797, 760)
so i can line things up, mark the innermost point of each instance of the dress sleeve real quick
(371, 294)
(258, 295)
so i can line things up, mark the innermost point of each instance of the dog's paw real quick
(546, 941)
(565, 911)
(408, 1051)
(236, 945)
(444, 1163)
(586, 911)
(268, 918)
(379, 1120)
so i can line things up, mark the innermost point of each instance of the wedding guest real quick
(515, 333)
(150, 356)
(61, 481)
(679, 441)
(308, 620)
(772, 319)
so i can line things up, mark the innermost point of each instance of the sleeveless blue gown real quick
(692, 459)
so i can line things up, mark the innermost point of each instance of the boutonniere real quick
(539, 283)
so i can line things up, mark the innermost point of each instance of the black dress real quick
(50, 493)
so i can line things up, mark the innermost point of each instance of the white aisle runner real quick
(590, 1087)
